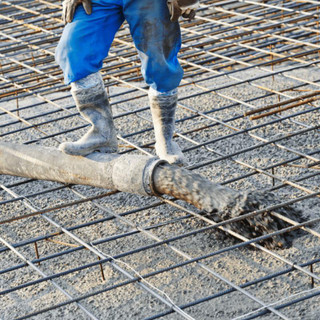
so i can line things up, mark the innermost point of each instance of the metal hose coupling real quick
(134, 174)
(148, 175)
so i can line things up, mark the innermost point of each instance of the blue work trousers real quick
(86, 41)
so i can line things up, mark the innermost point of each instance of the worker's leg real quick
(163, 107)
(86, 41)
(92, 102)
(83, 46)
(158, 42)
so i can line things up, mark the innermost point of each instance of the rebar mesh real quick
(248, 118)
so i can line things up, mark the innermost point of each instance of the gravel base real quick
(183, 284)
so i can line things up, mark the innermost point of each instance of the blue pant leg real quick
(86, 41)
(158, 41)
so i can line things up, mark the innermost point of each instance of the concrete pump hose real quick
(148, 176)
(192, 188)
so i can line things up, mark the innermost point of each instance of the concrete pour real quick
(183, 284)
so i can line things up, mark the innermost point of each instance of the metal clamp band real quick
(148, 174)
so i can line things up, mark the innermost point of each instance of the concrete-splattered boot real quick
(163, 107)
(92, 103)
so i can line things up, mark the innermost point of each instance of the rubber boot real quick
(93, 105)
(163, 107)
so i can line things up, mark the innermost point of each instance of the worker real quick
(89, 31)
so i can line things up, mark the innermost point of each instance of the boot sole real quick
(84, 152)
